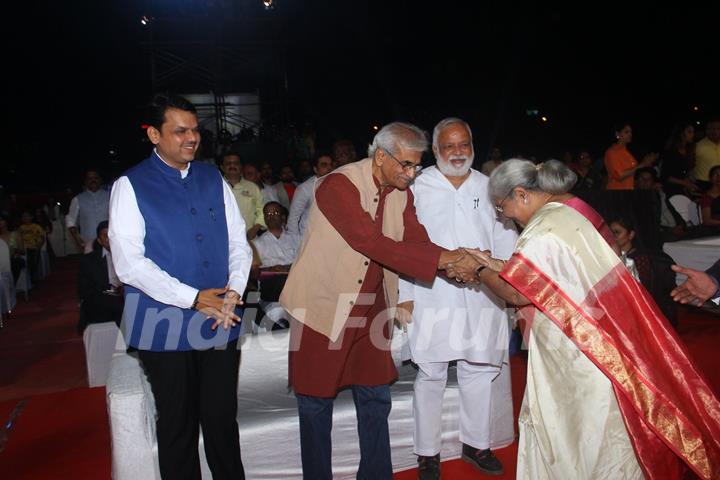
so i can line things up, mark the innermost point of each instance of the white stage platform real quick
(268, 421)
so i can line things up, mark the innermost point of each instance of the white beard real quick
(448, 169)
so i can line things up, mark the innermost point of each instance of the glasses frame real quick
(499, 207)
(406, 165)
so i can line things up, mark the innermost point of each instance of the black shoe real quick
(483, 460)
(429, 467)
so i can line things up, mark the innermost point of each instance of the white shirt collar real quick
(183, 173)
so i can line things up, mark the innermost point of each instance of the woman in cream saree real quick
(611, 392)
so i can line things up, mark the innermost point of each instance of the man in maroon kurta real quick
(354, 203)
(320, 367)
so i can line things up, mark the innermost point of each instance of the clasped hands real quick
(464, 264)
(221, 308)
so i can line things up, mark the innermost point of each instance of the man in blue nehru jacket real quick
(179, 246)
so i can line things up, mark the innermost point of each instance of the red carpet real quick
(40, 349)
(62, 432)
(61, 436)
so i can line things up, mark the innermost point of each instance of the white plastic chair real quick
(23, 283)
(688, 210)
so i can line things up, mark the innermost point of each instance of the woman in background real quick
(620, 163)
(678, 160)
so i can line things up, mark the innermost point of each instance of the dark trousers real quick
(33, 259)
(196, 389)
(100, 308)
(372, 405)
(16, 266)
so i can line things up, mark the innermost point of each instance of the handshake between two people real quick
(465, 265)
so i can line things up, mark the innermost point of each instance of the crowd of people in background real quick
(684, 178)
(300, 203)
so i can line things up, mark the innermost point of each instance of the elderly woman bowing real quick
(611, 393)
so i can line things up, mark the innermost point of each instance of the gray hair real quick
(446, 122)
(552, 177)
(399, 134)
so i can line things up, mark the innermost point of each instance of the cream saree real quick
(611, 392)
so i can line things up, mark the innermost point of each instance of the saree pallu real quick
(598, 346)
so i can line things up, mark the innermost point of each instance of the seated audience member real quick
(99, 288)
(710, 200)
(15, 245)
(277, 249)
(33, 237)
(670, 219)
(653, 267)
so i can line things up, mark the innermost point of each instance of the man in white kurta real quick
(452, 321)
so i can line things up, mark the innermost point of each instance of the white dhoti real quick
(475, 384)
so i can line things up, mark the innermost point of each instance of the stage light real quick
(146, 19)
(696, 108)
(269, 4)
(544, 119)
(375, 127)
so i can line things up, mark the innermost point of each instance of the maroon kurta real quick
(361, 355)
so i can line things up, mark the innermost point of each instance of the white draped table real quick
(698, 253)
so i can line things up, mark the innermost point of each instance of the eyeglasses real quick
(273, 214)
(406, 165)
(499, 207)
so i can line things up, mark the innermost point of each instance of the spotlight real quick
(696, 108)
(375, 127)
(269, 4)
(146, 19)
(544, 119)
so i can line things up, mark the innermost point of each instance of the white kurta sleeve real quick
(240, 253)
(72, 215)
(127, 235)
(504, 239)
(298, 206)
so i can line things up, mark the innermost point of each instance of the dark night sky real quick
(350, 64)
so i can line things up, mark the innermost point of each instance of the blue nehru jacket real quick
(186, 236)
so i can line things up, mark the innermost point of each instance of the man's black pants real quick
(193, 389)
